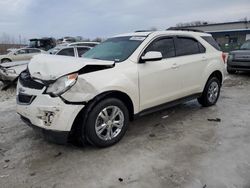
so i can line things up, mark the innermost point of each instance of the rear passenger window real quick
(165, 46)
(187, 46)
(66, 52)
(33, 51)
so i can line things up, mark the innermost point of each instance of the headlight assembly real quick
(62, 84)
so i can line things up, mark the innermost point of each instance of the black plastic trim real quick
(72, 103)
(167, 105)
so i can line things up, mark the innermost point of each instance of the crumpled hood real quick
(50, 67)
(13, 64)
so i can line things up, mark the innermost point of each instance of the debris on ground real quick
(215, 120)
(58, 154)
(120, 179)
(151, 135)
(32, 174)
(5, 166)
(164, 117)
(4, 176)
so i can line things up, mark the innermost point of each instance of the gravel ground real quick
(185, 146)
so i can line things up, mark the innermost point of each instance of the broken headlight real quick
(62, 84)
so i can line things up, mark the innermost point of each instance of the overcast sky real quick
(104, 18)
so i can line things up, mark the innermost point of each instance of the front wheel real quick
(107, 122)
(211, 92)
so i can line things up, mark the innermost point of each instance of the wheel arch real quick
(80, 118)
(217, 73)
(6, 59)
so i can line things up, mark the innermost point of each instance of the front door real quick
(158, 80)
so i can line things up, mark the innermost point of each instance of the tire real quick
(231, 71)
(5, 60)
(210, 94)
(97, 121)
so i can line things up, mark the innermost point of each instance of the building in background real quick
(229, 35)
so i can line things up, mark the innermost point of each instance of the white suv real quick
(94, 98)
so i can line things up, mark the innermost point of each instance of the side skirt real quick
(167, 105)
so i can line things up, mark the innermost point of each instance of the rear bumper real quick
(59, 137)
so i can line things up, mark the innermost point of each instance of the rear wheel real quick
(106, 123)
(211, 92)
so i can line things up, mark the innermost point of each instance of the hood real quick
(14, 63)
(50, 67)
(241, 55)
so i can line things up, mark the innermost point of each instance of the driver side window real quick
(163, 45)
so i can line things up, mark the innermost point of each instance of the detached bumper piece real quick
(58, 137)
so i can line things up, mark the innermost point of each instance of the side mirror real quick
(151, 56)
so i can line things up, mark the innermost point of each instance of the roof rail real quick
(138, 31)
(184, 29)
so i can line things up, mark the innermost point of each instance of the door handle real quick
(203, 58)
(175, 66)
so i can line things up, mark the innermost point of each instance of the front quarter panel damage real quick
(122, 77)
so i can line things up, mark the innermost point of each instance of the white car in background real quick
(94, 98)
(10, 71)
(21, 54)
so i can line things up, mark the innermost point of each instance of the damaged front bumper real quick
(51, 115)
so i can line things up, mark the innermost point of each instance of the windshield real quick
(245, 46)
(115, 49)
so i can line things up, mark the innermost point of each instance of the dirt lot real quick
(178, 147)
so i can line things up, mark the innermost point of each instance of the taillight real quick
(224, 57)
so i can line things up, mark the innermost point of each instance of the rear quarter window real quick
(212, 42)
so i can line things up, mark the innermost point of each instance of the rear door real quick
(191, 58)
(158, 80)
(20, 55)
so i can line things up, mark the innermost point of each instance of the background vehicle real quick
(239, 60)
(90, 44)
(126, 76)
(66, 40)
(20, 54)
(74, 51)
(43, 43)
(11, 70)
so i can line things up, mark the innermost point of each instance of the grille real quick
(28, 82)
(25, 99)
